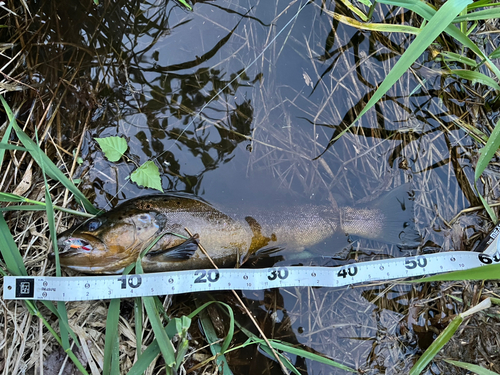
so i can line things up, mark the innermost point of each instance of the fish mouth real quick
(71, 246)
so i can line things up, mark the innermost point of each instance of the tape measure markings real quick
(82, 288)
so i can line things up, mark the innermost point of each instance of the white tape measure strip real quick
(84, 288)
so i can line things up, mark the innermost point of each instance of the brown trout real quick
(108, 243)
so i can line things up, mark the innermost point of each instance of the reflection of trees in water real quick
(106, 62)
(195, 109)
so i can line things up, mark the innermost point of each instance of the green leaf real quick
(10, 147)
(286, 347)
(488, 151)
(495, 54)
(489, 272)
(153, 349)
(212, 339)
(113, 147)
(163, 341)
(476, 77)
(185, 3)
(486, 14)
(283, 359)
(9, 197)
(230, 333)
(355, 10)
(445, 336)
(138, 325)
(147, 175)
(436, 346)
(474, 368)
(9, 251)
(8, 131)
(166, 347)
(383, 27)
(111, 338)
(455, 57)
(178, 326)
(427, 12)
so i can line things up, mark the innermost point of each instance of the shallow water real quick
(153, 74)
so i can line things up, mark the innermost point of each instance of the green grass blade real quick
(495, 54)
(185, 3)
(211, 337)
(280, 345)
(10, 252)
(486, 14)
(172, 328)
(427, 12)
(63, 325)
(486, 154)
(166, 347)
(230, 333)
(286, 347)
(455, 57)
(29, 207)
(5, 139)
(36, 205)
(164, 343)
(13, 198)
(437, 24)
(355, 10)
(115, 356)
(474, 368)
(138, 325)
(488, 151)
(482, 4)
(34, 311)
(476, 77)
(283, 359)
(50, 168)
(26, 207)
(9, 147)
(486, 205)
(61, 307)
(111, 337)
(146, 358)
(489, 272)
(446, 335)
(382, 27)
(436, 346)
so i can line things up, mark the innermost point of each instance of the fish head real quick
(107, 243)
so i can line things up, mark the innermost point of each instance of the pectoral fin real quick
(184, 251)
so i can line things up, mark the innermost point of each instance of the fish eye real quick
(92, 225)
(145, 218)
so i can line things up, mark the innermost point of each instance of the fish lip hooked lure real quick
(71, 246)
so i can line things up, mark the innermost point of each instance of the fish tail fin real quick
(389, 219)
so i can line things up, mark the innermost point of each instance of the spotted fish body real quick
(113, 240)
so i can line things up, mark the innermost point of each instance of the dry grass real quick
(74, 81)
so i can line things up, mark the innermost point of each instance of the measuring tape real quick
(84, 288)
